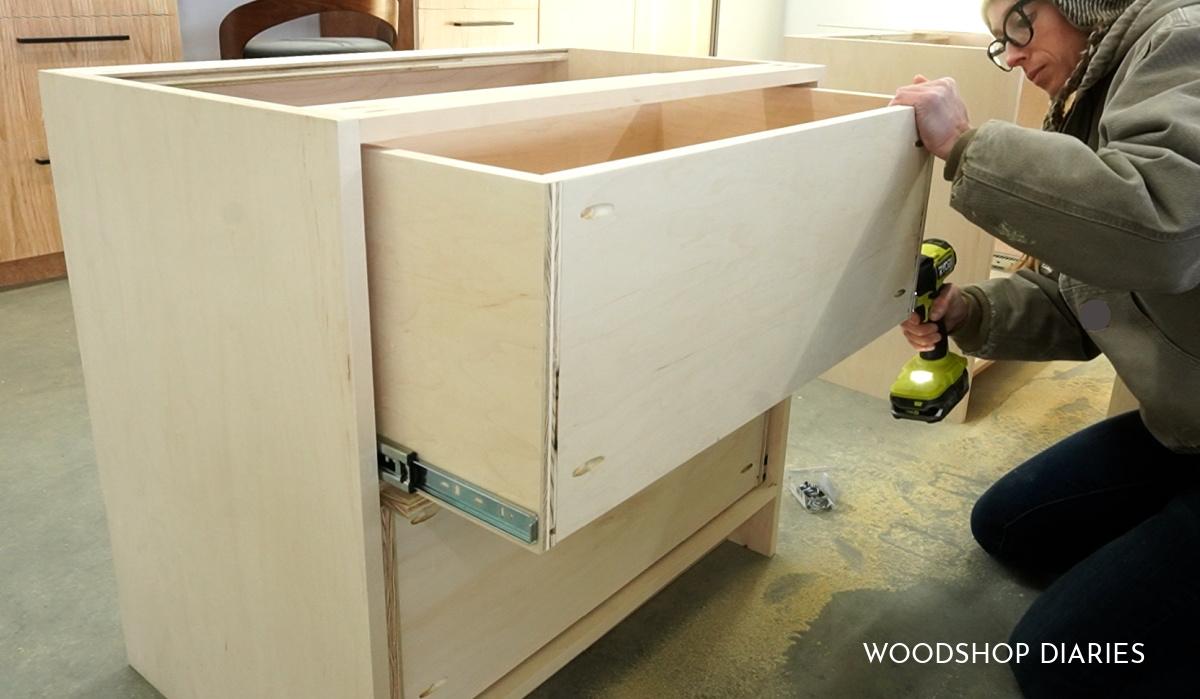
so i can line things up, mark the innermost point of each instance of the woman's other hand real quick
(949, 306)
(940, 112)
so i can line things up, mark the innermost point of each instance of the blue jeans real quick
(1118, 516)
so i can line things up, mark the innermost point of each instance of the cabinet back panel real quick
(333, 89)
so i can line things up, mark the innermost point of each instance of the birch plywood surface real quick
(393, 83)
(494, 604)
(219, 287)
(703, 285)
(460, 319)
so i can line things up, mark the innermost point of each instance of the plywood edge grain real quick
(760, 533)
(258, 69)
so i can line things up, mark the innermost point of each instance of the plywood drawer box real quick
(677, 245)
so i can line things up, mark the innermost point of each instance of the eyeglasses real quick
(1018, 31)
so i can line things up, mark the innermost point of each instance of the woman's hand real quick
(941, 113)
(949, 306)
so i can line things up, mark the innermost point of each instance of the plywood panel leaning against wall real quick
(40, 34)
(882, 62)
(587, 297)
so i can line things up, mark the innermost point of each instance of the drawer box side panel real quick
(457, 269)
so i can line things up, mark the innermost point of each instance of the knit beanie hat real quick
(1086, 14)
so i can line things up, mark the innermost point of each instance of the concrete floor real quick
(893, 562)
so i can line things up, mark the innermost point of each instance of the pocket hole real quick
(587, 466)
(597, 211)
(900, 293)
(748, 467)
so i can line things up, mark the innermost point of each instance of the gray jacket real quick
(1115, 208)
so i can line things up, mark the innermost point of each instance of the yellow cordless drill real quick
(933, 382)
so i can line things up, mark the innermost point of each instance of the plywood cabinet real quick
(881, 62)
(56, 34)
(584, 293)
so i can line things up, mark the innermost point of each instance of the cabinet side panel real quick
(720, 280)
(458, 263)
(218, 277)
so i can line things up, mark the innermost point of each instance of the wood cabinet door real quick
(673, 26)
(660, 26)
(589, 24)
(460, 24)
(29, 225)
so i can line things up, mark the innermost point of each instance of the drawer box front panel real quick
(719, 281)
(705, 258)
(453, 29)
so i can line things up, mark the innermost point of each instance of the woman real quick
(1107, 196)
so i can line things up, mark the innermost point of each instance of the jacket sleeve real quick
(1124, 217)
(1021, 317)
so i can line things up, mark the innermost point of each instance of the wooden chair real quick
(241, 25)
